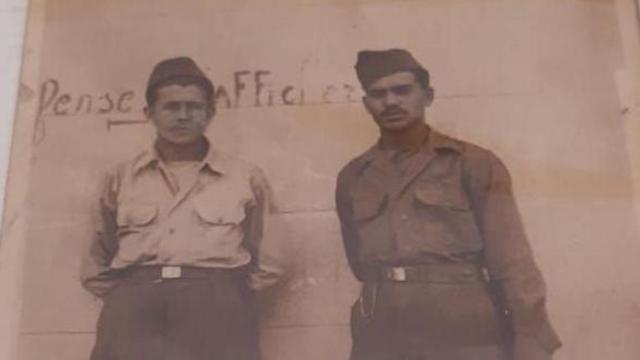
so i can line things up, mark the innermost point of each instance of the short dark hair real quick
(206, 87)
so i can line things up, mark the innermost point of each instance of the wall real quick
(535, 81)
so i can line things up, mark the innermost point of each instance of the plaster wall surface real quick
(534, 81)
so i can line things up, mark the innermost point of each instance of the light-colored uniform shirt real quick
(185, 173)
(219, 217)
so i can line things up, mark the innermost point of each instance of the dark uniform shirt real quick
(450, 201)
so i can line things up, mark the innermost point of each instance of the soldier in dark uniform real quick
(431, 229)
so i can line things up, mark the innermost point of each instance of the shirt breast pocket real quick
(212, 214)
(367, 206)
(132, 218)
(442, 195)
(447, 217)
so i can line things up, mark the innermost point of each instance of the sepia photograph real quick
(324, 180)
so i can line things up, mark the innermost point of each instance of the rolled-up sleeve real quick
(510, 261)
(97, 276)
(263, 237)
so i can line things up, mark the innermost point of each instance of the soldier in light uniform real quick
(183, 237)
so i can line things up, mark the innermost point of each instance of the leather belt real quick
(159, 272)
(437, 272)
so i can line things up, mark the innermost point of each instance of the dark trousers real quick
(426, 321)
(209, 317)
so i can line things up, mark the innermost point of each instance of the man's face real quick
(180, 113)
(397, 101)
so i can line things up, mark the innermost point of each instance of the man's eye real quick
(195, 106)
(376, 94)
(171, 106)
(401, 90)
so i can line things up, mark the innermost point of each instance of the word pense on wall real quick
(54, 102)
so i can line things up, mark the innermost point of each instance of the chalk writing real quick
(249, 88)
(54, 102)
(116, 122)
(265, 93)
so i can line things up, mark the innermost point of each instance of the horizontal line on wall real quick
(115, 121)
(305, 326)
(62, 332)
(282, 326)
(305, 211)
(483, 95)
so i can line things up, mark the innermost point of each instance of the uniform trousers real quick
(210, 316)
(427, 321)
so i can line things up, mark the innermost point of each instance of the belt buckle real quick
(397, 273)
(171, 272)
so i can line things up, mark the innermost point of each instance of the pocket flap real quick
(367, 206)
(439, 194)
(219, 215)
(136, 215)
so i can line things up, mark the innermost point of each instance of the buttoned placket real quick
(397, 212)
(179, 195)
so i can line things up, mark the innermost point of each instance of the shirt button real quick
(404, 217)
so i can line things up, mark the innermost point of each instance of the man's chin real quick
(182, 140)
(395, 125)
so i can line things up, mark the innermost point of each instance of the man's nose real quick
(391, 99)
(183, 112)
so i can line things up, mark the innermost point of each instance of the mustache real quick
(393, 110)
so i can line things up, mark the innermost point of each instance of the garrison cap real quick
(179, 68)
(374, 64)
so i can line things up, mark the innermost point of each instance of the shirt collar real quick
(436, 142)
(213, 160)
(440, 142)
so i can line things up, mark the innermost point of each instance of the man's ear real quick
(147, 112)
(366, 104)
(212, 110)
(429, 96)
